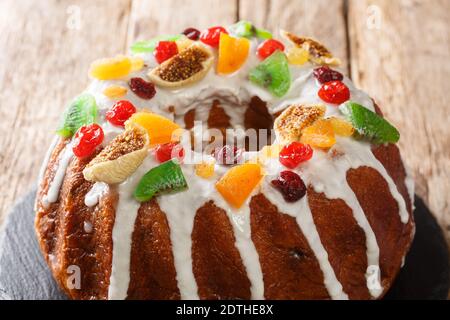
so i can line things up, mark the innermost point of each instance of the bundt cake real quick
(224, 164)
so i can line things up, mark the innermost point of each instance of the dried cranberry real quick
(335, 92)
(211, 36)
(325, 74)
(165, 50)
(290, 185)
(192, 33)
(120, 112)
(268, 47)
(143, 89)
(295, 153)
(228, 155)
(167, 151)
(87, 139)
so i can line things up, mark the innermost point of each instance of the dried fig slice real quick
(318, 53)
(290, 123)
(119, 159)
(189, 66)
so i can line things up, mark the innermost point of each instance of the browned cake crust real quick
(290, 268)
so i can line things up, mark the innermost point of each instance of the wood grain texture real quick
(323, 20)
(399, 54)
(44, 62)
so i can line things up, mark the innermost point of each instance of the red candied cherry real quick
(228, 155)
(120, 112)
(335, 92)
(192, 33)
(268, 47)
(290, 185)
(87, 139)
(325, 74)
(294, 153)
(165, 50)
(141, 88)
(167, 151)
(211, 36)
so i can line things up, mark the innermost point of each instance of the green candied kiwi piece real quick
(81, 111)
(273, 73)
(368, 124)
(150, 45)
(165, 178)
(247, 30)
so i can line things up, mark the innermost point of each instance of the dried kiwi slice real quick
(81, 111)
(273, 73)
(165, 178)
(150, 45)
(369, 124)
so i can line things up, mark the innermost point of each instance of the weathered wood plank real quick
(323, 20)
(399, 53)
(45, 51)
(149, 18)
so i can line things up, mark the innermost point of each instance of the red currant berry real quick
(268, 47)
(290, 185)
(293, 154)
(211, 36)
(335, 92)
(228, 155)
(192, 33)
(87, 139)
(120, 112)
(141, 88)
(165, 50)
(167, 151)
(325, 74)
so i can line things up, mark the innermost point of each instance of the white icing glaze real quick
(55, 185)
(93, 196)
(325, 174)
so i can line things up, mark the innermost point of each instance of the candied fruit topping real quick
(290, 123)
(341, 127)
(165, 178)
(120, 112)
(247, 30)
(325, 74)
(273, 73)
(183, 43)
(110, 69)
(369, 124)
(211, 36)
(228, 155)
(81, 111)
(233, 53)
(272, 151)
(290, 185)
(192, 33)
(137, 64)
(143, 89)
(114, 92)
(87, 139)
(297, 56)
(239, 182)
(335, 92)
(293, 154)
(165, 152)
(160, 129)
(204, 170)
(319, 135)
(149, 46)
(268, 47)
(165, 50)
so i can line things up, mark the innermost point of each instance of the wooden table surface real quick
(398, 51)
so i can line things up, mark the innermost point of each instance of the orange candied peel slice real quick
(160, 129)
(319, 135)
(238, 183)
(205, 169)
(341, 127)
(233, 53)
(111, 68)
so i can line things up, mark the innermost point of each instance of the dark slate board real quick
(25, 275)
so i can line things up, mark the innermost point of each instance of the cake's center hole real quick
(221, 122)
